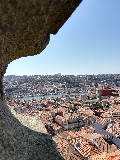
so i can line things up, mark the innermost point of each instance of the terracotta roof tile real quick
(107, 156)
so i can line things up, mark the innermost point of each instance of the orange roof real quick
(72, 134)
(86, 148)
(107, 156)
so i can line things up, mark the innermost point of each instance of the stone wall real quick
(25, 28)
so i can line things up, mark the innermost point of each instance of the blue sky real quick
(88, 43)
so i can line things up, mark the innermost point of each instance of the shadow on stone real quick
(18, 142)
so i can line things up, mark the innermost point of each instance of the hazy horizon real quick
(65, 74)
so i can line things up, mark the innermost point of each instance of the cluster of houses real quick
(82, 128)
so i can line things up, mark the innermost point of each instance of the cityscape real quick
(60, 80)
(81, 113)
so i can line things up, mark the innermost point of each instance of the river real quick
(46, 96)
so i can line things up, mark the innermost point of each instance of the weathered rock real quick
(18, 142)
(25, 28)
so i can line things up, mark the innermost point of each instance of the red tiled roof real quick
(107, 156)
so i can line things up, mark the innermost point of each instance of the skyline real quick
(88, 43)
(63, 75)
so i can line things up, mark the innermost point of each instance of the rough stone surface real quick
(18, 142)
(25, 28)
